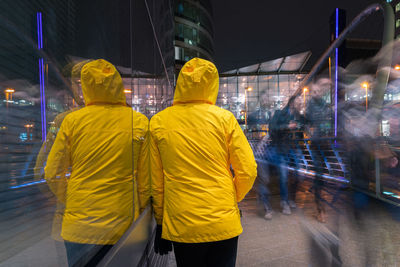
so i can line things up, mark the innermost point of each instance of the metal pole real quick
(245, 109)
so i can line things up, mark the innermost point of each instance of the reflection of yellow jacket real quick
(39, 172)
(193, 144)
(104, 147)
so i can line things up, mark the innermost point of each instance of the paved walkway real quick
(364, 237)
(369, 237)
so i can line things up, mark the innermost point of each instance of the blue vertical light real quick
(336, 70)
(41, 76)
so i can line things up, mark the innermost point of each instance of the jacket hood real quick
(198, 81)
(101, 83)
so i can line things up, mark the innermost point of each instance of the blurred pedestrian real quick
(315, 119)
(281, 126)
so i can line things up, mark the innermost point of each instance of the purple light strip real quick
(41, 94)
(38, 31)
(44, 132)
(41, 31)
(28, 184)
(336, 70)
(41, 77)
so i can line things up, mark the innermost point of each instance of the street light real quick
(397, 67)
(305, 90)
(366, 85)
(246, 89)
(9, 92)
(29, 128)
(128, 92)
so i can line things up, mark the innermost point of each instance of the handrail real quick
(133, 247)
(299, 158)
(387, 38)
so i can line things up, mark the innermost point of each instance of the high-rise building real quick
(193, 30)
(396, 7)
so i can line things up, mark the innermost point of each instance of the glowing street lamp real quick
(29, 128)
(397, 67)
(128, 92)
(366, 85)
(246, 89)
(305, 90)
(9, 92)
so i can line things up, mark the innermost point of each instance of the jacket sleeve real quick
(143, 175)
(58, 163)
(241, 158)
(157, 179)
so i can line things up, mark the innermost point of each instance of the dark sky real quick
(252, 31)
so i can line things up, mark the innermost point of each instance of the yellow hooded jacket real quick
(193, 145)
(104, 146)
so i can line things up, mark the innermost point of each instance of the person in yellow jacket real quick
(98, 166)
(193, 146)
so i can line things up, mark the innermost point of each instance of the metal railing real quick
(300, 155)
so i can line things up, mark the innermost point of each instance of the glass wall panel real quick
(48, 43)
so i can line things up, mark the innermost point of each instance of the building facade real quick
(396, 8)
(193, 30)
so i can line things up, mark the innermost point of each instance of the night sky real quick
(252, 31)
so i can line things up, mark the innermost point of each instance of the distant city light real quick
(397, 67)
(127, 91)
(9, 90)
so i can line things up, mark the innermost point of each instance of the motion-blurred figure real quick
(280, 126)
(315, 117)
(97, 166)
(193, 145)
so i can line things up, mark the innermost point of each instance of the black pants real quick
(218, 253)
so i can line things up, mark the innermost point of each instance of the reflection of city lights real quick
(365, 85)
(9, 92)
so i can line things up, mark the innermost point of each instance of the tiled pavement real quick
(370, 237)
